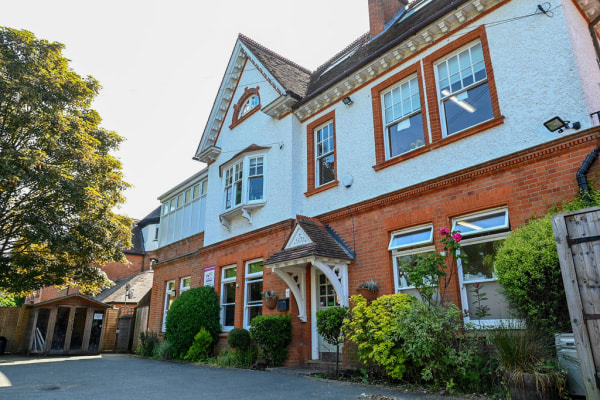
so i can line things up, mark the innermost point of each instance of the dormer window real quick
(247, 104)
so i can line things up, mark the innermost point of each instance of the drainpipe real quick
(582, 175)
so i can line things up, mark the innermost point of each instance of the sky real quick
(161, 63)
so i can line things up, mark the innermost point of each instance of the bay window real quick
(244, 182)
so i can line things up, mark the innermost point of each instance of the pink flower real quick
(444, 231)
(457, 237)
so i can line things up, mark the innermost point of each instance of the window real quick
(325, 158)
(402, 118)
(184, 284)
(169, 299)
(253, 292)
(249, 104)
(405, 246)
(228, 285)
(482, 235)
(244, 182)
(233, 185)
(321, 158)
(255, 179)
(156, 232)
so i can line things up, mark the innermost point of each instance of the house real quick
(448, 113)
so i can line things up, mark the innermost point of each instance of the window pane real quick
(180, 200)
(406, 135)
(229, 292)
(255, 291)
(229, 315)
(496, 304)
(482, 223)
(255, 267)
(411, 238)
(229, 273)
(480, 260)
(188, 196)
(204, 186)
(253, 312)
(387, 99)
(196, 193)
(326, 169)
(473, 107)
(238, 193)
(255, 190)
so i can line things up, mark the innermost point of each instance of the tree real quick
(58, 181)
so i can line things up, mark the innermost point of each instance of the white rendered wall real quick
(148, 234)
(532, 87)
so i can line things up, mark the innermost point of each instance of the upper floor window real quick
(402, 117)
(463, 89)
(244, 182)
(325, 154)
(249, 105)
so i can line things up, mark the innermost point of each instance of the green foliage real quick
(372, 328)
(200, 349)
(192, 310)
(239, 338)
(59, 183)
(237, 358)
(164, 350)
(148, 343)
(416, 341)
(9, 300)
(529, 272)
(329, 324)
(272, 333)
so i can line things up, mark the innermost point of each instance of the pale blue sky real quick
(161, 62)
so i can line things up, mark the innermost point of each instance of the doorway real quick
(326, 297)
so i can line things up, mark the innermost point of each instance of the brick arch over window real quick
(237, 108)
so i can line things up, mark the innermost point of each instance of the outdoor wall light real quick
(153, 261)
(557, 123)
(347, 101)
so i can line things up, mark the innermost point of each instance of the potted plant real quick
(368, 289)
(270, 299)
(526, 362)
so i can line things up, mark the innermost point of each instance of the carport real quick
(68, 325)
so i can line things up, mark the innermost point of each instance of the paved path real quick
(131, 378)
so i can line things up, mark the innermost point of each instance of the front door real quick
(326, 298)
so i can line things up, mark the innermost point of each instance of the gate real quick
(577, 236)
(125, 329)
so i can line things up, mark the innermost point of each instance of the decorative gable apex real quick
(298, 238)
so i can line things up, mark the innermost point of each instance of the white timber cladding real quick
(149, 234)
(526, 98)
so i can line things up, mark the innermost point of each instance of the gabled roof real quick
(74, 296)
(152, 218)
(137, 241)
(140, 285)
(293, 77)
(324, 243)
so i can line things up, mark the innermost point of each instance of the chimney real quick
(381, 12)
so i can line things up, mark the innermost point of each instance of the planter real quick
(271, 303)
(524, 386)
(367, 294)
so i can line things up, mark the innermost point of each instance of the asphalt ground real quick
(126, 377)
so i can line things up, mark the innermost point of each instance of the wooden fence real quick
(14, 326)
(577, 236)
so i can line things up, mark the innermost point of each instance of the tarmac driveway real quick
(131, 378)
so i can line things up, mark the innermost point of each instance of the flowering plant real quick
(428, 272)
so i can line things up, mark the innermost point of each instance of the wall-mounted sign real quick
(209, 275)
(98, 315)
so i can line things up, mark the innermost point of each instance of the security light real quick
(557, 123)
(347, 101)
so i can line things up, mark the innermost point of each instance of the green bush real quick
(272, 333)
(192, 310)
(329, 326)
(529, 272)
(239, 338)
(148, 341)
(416, 341)
(201, 347)
(164, 350)
(237, 358)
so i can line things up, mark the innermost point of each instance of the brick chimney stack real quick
(381, 12)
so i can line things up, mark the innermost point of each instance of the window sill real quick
(321, 188)
(492, 123)
(245, 210)
(401, 157)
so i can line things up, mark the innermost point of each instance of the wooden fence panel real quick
(110, 330)
(13, 326)
(577, 237)
(141, 324)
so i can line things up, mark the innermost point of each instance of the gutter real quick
(581, 175)
(411, 32)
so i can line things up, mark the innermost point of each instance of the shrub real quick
(148, 341)
(272, 333)
(529, 272)
(239, 338)
(416, 341)
(329, 326)
(238, 359)
(201, 347)
(192, 310)
(164, 350)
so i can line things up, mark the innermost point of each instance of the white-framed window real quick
(156, 232)
(184, 284)
(169, 299)
(482, 235)
(405, 246)
(228, 287)
(253, 291)
(244, 182)
(249, 105)
(324, 154)
(463, 91)
(402, 117)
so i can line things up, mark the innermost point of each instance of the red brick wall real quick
(528, 183)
